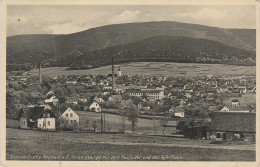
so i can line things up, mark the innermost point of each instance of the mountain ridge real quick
(165, 48)
(46, 48)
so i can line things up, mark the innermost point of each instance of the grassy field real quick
(246, 99)
(157, 69)
(40, 145)
(114, 123)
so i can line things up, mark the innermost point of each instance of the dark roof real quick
(236, 122)
(235, 100)
(35, 112)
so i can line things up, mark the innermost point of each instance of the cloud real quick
(125, 17)
(204, 14)
(70, 19)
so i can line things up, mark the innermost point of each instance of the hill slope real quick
(165, 48)
(35, 48)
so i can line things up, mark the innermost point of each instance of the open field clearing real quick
(40, 145)
(114, 123)
(249, 98)
(157, 69)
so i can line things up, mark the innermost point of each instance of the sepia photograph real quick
(130, 83)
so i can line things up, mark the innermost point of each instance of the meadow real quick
(114, 123)
(157, 69)
(244, 100)
(69, 146)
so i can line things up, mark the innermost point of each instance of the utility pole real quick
(104, 121)
(40, 75)
(113, 80)
(101, 121)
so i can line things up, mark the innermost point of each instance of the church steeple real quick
(119, 71)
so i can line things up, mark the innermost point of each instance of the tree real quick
(94, 125)
(132, 115)
(137, 100)
(163, 123)
(61, 123)
(11, 108)
(180, 126)
(123, 117)
(155, 125)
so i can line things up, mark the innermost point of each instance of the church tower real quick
(119, 72)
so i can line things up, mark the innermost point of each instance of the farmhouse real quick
(40, 117)
(95, 107)
(229, 126)
(70, 116)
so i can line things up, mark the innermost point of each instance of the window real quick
(44, 115)
(40, 125)
(49, 123)
(71, 115)
(67, 115)
(75, 121)
(218, 135)
(67, 121)
(48, 115)
(23, 122)
(71, 121)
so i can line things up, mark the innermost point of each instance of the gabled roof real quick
(117, 97)
(178, 109)
(35, 112)
(237, 122)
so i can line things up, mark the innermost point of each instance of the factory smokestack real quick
(40, 75)
(113, 80)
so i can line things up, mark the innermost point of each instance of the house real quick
(71, 82)
(127, 102)
(70, 116)
(107, 88)
(237, 109)
(41, 117)
(235, 102)
(101, 100)
(95, 107)
(177, 111)
(115, 98)
(188, 95)
(231, 125)
(72, 101)
(143, 106)
(225, 109)
(53, 100)
(96, 99)
(50, 93)
(195, 129)
(212, 108)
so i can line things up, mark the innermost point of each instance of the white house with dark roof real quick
(95, 107)
(40, 117)
(70, 116)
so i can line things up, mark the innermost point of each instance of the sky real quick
(71, 19)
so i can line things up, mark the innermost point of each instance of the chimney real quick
(113, 80)
(40, 75)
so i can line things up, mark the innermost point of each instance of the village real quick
(201, 107)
